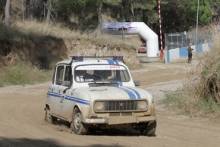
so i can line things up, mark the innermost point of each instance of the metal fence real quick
(177, 43)
(175, 40)
(182, 39)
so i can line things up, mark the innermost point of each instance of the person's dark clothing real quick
(189, 54)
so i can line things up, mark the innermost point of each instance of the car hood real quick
(113, 93)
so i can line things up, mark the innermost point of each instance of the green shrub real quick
(208, 105)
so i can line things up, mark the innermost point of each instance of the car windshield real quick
(100, 73)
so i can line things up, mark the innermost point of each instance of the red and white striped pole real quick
(160, 27)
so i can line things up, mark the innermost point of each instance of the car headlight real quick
(142, 105)
(99, 106)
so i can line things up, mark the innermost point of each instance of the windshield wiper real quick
(103, 83)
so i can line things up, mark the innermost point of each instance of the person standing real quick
(190, 49)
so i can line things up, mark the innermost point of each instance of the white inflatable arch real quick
(140, 28)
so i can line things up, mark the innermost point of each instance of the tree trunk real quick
(123, 9)
(132, 10)
(100, 15)
(28, 9)
(23, 9)
(7, 13)
(49, 7)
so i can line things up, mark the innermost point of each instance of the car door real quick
(66, 104)
(57, 90)
(50, 93)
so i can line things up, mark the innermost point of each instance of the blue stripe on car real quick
(112, 62)
(135, 91)
(130, 93)
(54, 94)
(78, 100)
(116, 61)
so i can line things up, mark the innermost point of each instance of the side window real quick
(68, 74)
(53, 79)
(59, 75)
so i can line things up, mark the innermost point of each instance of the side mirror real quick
(137, 83)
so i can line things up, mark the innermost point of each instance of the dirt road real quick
(22, 124)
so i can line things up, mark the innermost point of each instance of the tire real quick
(77, 125)
(149, 128)
(48, 117)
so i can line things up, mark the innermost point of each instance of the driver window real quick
(59, 75)
(67, 76)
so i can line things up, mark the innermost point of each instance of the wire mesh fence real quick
(183, 39)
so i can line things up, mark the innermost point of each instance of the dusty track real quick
(22, 124)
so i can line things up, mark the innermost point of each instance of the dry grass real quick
(201, 92)
(87, 43)
(60, 31)
(45, 29)
(21, 74)
(208, 86)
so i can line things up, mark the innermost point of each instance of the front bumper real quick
(113, 120)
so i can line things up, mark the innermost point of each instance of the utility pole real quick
(197, 22)
(160, 27)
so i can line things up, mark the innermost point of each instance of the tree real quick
(99, 12)
(180, 15)
(7, 13)
(49, 9)
(2, 5)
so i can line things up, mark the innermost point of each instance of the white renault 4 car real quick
(98, 91)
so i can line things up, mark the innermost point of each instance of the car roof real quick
(92, 61)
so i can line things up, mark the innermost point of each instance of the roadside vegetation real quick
(56, 42)
(22, 74)
(200, 94)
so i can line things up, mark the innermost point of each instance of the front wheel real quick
(149, 128)
(48, 117)
(77, 125)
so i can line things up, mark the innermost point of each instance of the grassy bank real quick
(200, 94)
(86, 43)
(21, 74)
(43, 44)
(183, 102)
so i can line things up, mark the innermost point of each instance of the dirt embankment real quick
(39, 50)
(42, 45)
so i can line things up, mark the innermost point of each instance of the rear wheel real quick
(149, 128)
(77, 125)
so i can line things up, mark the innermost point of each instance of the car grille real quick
(120, 106)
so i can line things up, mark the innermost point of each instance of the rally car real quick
(98, 91)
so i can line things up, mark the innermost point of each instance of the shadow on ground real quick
(24, 142)
(119, 130)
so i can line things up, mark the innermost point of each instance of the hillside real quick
(30, 46)
(42, 44)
